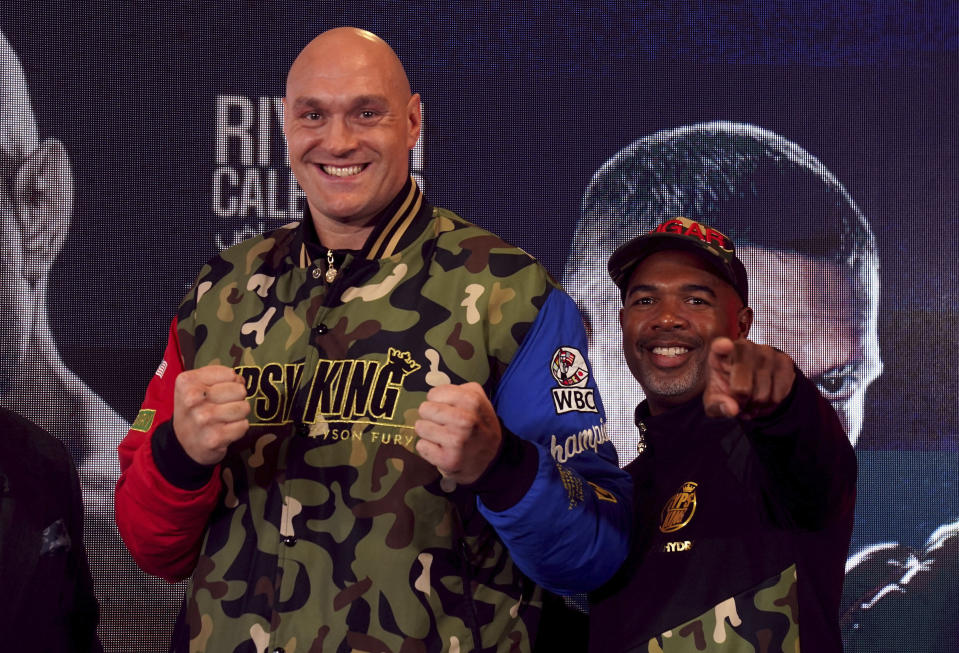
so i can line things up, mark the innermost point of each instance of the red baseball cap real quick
(714, 247)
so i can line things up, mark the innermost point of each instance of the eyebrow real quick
(695, 287)
(841, 368)
(358, 101)
(686, 288)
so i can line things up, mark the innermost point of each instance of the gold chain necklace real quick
(330, 270)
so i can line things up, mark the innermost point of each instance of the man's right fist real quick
(209, 412)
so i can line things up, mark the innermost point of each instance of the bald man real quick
(36, 211)
(36, 203)
(376, 429)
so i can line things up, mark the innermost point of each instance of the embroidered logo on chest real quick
(339, 390)
(679, 509)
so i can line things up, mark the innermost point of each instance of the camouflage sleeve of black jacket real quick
(569, 529)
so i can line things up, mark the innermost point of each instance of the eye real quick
(368, 115)
(839, 383)
(312, 115)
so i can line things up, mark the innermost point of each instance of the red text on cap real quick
(687, 227)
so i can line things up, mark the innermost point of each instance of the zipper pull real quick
(331, 271)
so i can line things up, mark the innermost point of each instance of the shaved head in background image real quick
(809, 251)
(812, 262)
(36, 207)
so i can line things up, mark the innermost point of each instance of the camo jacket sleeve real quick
(569, 532)
(162, 521)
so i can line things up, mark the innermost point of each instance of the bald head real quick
(18, 130)
(350, 122)
(344, 51)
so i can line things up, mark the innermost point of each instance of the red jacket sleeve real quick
(161, 524)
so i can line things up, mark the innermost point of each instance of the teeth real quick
(342, 171)
(670, 351)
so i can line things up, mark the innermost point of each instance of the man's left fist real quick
(459, 431)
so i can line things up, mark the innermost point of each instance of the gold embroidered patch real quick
(603, 495)
(679, 510)
(144, 420)
(573, 485)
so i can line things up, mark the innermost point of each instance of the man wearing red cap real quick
(745, 481)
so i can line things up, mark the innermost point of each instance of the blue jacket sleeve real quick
(570, 531)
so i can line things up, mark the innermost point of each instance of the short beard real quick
(656, 384)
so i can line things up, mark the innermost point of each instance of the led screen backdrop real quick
(138, 139)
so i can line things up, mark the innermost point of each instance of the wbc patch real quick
(569, 369)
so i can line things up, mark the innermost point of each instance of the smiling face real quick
(823, 315)
(350, 122)
(675, 306)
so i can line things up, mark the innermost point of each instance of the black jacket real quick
(734, 509)
(48, 604)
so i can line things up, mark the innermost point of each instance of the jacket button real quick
(317, 273)
(289, 540)
(321, 329)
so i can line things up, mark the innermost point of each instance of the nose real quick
(850, 416)
(668, 316)
(340, 138)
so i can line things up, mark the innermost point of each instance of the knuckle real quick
(421, 449)
(427, 409)
(453, 463)
(237, 430)
(201, 414)
(468, 401)
(183, 386)
(467, 426)
(221, 437)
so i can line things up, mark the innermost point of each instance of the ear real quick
(744, 321)
(414, 115)
(43, 199)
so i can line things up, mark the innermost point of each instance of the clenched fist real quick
(459, 431)
(746, 379)
(209, 412)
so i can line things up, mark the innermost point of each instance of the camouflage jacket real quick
(323, 529)
(742, 533)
